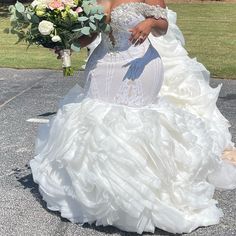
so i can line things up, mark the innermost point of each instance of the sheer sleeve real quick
(154, 11)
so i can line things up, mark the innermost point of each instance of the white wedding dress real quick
(137, 148)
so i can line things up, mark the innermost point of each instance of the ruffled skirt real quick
(135, 168)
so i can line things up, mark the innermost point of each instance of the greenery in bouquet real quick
(57, 23)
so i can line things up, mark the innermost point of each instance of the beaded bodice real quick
(126, 16)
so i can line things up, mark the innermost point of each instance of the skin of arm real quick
(143, 29)
(86, 40)
(157, 26)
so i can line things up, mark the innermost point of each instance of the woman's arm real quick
(161, 3)
(158, 26)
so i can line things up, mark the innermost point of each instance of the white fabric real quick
(130, 149)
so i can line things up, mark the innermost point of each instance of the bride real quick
(136, 148)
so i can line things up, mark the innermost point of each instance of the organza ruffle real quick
(134, 168)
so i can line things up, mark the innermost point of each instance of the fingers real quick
(137, 37)
(134, 36)
(140, 32)
(140, 40)
(56, 50)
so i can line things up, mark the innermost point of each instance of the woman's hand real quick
(140, 32)
(58, 50)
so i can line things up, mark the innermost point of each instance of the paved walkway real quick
(30, 96)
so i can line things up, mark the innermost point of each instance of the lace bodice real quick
(126, 16)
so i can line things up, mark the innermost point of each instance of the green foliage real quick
(75, 47)
(92, 21)
(68, 24)
(19, 7)
(83, 18)
(210, 33)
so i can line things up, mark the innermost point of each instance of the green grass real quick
(210, 34)
(209, 30)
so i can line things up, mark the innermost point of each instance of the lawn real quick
(209, 30)
(210, 33)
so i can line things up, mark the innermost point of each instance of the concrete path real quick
(31, 96)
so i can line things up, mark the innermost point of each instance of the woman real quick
(117, 153)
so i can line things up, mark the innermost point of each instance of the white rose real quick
(45, 27)
(40, 3)
(56, 38)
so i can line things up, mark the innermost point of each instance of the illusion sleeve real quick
(154, 11)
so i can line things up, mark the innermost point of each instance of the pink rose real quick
(56, 4)
(79, 9)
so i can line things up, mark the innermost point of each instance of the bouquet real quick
(57, 24)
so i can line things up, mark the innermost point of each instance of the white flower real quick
(56, 38)
(40, 3)
(73, 13)
(45, 27)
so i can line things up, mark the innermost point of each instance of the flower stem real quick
(68, 71)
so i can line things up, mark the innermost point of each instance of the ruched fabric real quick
(135, 168)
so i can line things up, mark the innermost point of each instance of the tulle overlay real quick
(133, 165)
(138, 168)
(134, 168)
